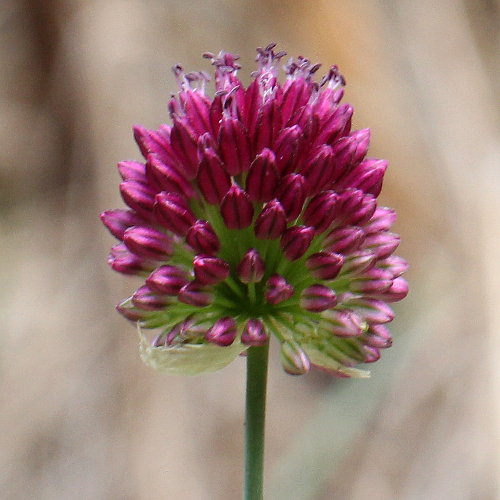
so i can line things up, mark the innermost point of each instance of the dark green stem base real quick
(255, 417)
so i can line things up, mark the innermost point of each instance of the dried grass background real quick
(82, 418)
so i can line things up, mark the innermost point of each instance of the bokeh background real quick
(82, 418)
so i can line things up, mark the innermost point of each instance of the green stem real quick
(255, 421)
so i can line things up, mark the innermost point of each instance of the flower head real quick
(254, 215)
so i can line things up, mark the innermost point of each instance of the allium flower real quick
(255, 215)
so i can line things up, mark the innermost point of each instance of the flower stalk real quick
(255, 417)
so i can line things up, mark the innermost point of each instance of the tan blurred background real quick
(82, 418)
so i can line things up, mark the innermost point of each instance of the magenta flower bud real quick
(381, 220)
(358, 262)
(286, 147)
(367, 176)
(210, 270)
(349, 151)
(345, 239)
(118, 221)
(234, 146)
(236, 208)
(293, 359)
(223, 332)
(336, 124)
(213, 180)
(139, 197)
(296, 240)
(148, 243)
(132, 171)
(354, 207)
(172, 212)
(295, 96)
(371, 310)
(251, 268)
(342, 323)
(320, 212)
(395, 265)
(254, 333)
(168, 178)
(372, 354)
(271, 222)
(318, 172)
(378, 336)
(367, 286)
(123, 261)
(196, 105)
(262, 179)
(278, 289)
(132, 313)
(291, 194)
(185, 146)
(152, 142)
(167, 280)
(195, 294)
(382, 244)
(325, 265)
(147, 299)
(397, 291)
(202, 238)
(317, 298)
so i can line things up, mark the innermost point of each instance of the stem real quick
(255, 421)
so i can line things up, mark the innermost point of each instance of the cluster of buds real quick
(255, 215)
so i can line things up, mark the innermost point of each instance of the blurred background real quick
(82, 418)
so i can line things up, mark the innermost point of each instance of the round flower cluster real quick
(255, 215)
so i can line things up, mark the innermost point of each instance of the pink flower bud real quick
(382, 244)
(318, 171)
(171, 211)
(349, 151)
(286, 147)
(254, 333)
(271, 222)
(325, 265)
(342, 323)
(184, 145)
(372, 354)
(139, 197)
(335, 125)
(262, 179)
(397, 291)
(234, 146)
(296, 240)
(195, 294)
(278, 289)
(358, 262)
(395, 265)
(118, 221)
(378, 336)
(167, 279)
(317, 298)
(202, 238)
(222, 333)
(152, 142)
(148, 243)
(213, 180)
(345, 239)
(293, 359)
(132, 171)
(147, 299)
(129, 311)
(210, 270)
(167, 177)
(354, 207)
(251, 268)
(367, 176)
(371, 310)
(196, 105)
(381, 220)
(236, 208)
(320, 212)
(291, 194)
(122, 260)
